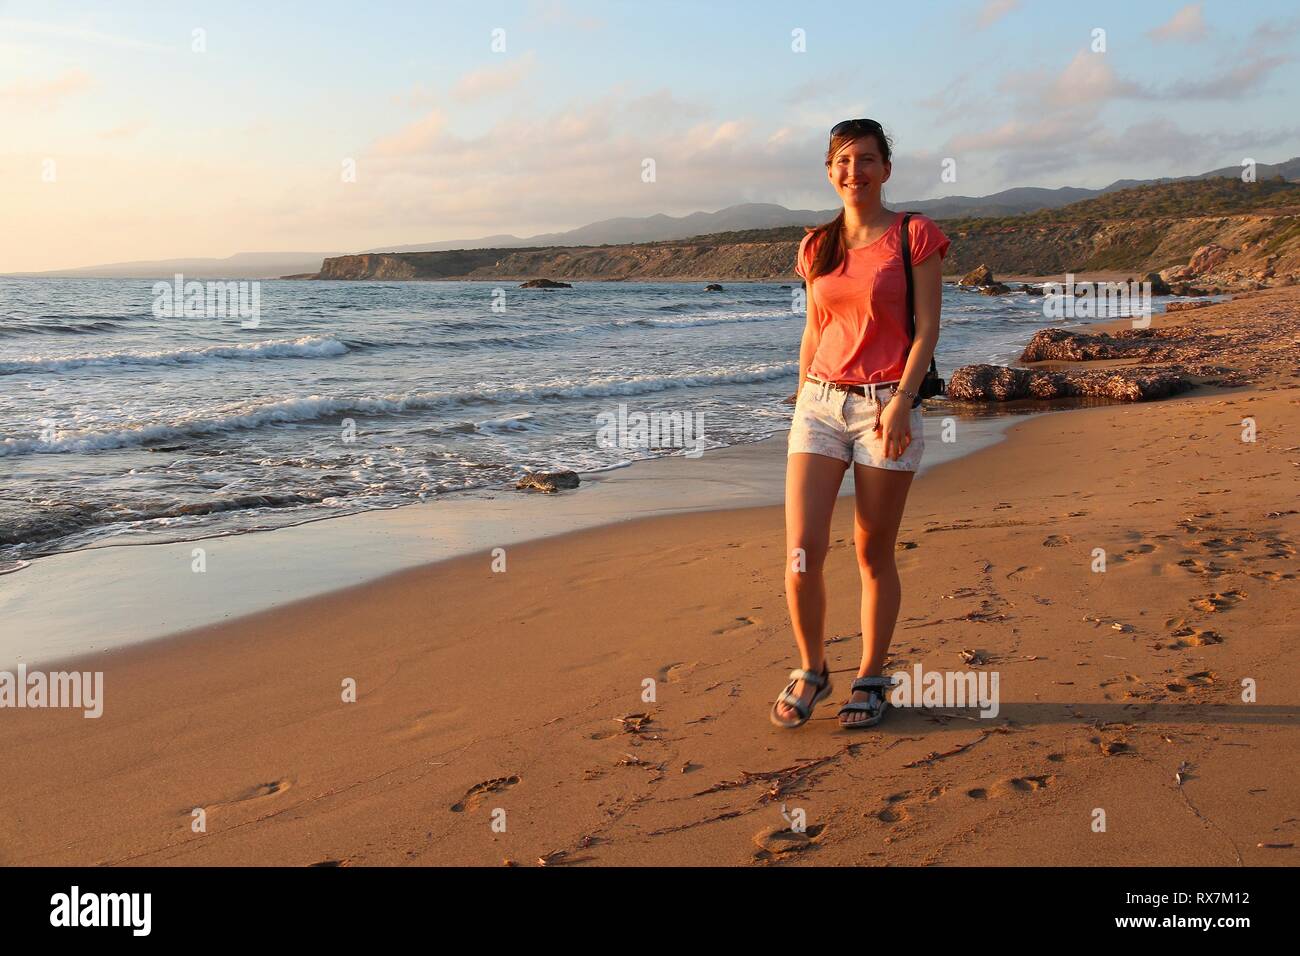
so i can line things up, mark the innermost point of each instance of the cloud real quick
(1087, 78)
(1230, 84)
(125, 131)
(820, 87)
(1187, 25)
(1269, 35)
(960, 98)
(46, 94)
(490, 81)
(993, 11)
(414, 138)
(661, 109)
(1274, 31)
(63, 32)
(417, 97)
(554, 13)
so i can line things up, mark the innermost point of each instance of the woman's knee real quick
(875, 556)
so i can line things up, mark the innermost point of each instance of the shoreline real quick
(121, 580)
(118, 585)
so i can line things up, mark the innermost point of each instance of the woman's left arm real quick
(896, 419)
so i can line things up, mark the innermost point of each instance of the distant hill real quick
(243, 265)
(1253, 227)
(1184, 197)
(1008, 203)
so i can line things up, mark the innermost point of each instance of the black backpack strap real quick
(906, 240)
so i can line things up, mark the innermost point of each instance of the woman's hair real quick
(831, 252)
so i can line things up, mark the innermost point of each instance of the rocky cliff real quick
(1230, 234)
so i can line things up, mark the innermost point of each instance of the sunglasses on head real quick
(855, 126)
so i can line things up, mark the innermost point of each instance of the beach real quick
(601, 697)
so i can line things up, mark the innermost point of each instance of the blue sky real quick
(157, 149)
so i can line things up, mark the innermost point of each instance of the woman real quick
(860, 369)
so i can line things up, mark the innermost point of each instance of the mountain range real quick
(623, 230)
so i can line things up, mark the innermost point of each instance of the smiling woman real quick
(862, 361)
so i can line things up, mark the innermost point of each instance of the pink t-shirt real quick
(861, 308)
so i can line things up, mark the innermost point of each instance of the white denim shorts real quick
(843, 425)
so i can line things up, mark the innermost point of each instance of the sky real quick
(147, 130)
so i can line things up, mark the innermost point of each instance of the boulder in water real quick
(548, 481)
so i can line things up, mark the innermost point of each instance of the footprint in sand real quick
(254, 794)
(260, 791)
(428, 722)
(1057, 540)
(1195, 637)
(739, 624)
(896, 809)
(475, 795)
(1024, 573)
(672, 673)
(1271, 575)
(779, 841)
(1212, 603)
(1022, 785)
(1222, 545)
(1191, 681)
(1194, 566)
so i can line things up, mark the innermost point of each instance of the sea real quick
(126, 421)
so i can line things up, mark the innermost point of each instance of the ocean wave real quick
(310, 346)
(56, 328)
(314, 408)
(531, 338)
(54, 521)
(700, 321)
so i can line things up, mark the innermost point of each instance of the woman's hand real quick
(896, 426)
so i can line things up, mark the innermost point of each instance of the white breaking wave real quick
(311, 346)
(318, 407)
(735, 318)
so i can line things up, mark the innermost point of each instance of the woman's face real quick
(857, 172)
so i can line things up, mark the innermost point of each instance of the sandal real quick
(875, 705)
(821, 681)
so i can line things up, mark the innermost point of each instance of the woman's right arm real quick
(808, 344)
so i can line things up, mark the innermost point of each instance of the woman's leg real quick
(879, 497)
(812, 483)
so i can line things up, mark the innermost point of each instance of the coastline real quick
(480, 691)
(145, 591)
(117, 582)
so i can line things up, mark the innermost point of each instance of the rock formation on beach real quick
(1167, 361)
(999, 383)
(981, 280)
(549, 481)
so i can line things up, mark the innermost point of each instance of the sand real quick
(496, 712)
